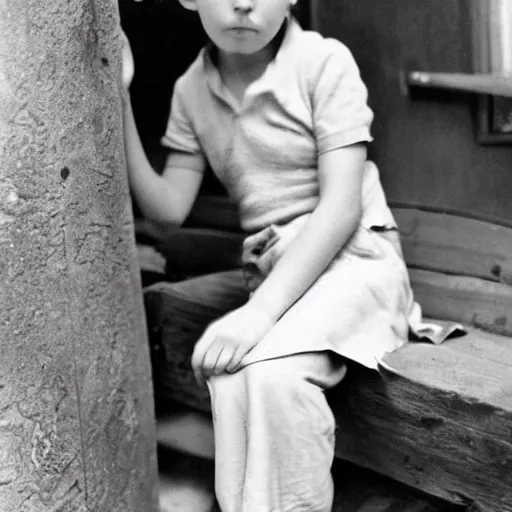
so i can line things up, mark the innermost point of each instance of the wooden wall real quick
(425, 144)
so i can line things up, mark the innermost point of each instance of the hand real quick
(128, 64)
(226, 341)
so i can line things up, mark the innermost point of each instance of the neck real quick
(246, 67)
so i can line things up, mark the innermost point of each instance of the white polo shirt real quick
(309, 100)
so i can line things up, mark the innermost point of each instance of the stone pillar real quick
(76, 404)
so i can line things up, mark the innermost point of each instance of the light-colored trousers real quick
(274, 431)
(274, 435)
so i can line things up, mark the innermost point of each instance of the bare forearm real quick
(332, 223)
(156, 199)
(305, 259)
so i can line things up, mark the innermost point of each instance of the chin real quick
(242, 49)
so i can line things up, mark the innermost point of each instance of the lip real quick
(242, 28)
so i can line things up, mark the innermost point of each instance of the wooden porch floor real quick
(187, 486)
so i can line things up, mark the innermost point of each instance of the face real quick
(241, 26)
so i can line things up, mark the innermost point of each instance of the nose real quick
(243, 6)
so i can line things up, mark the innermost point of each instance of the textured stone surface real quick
(76, 406)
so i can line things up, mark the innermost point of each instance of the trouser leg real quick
(274, 435)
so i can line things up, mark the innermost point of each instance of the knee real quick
(279, 385)
(263, 380)
(271, 379)
(227, 386)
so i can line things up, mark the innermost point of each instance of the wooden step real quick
(186, 485)
(179, 493)
(437, 418)
(188, 432)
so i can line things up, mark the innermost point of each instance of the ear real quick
(189, 4)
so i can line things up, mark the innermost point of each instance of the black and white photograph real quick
(255, 256)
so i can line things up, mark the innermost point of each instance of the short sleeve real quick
(341, 115)
(180, 134)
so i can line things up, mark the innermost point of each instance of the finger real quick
(127, 60)
(210, 359)
(201, 347)
(224, 360)
(236, 360)
(199, 354)
(199, 373)
(197, 368)
(199, 378)
(197, 363)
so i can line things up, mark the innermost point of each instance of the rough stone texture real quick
(76, 405)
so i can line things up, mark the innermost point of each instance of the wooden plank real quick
(413, 433)
(477, 302)
(175, 323)
(439, 420)
(451, 367)
(195, 251)
(150, 260)
(431, 241)
(188, 251)
(495, 348)
(187, 431)
(455, 245)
